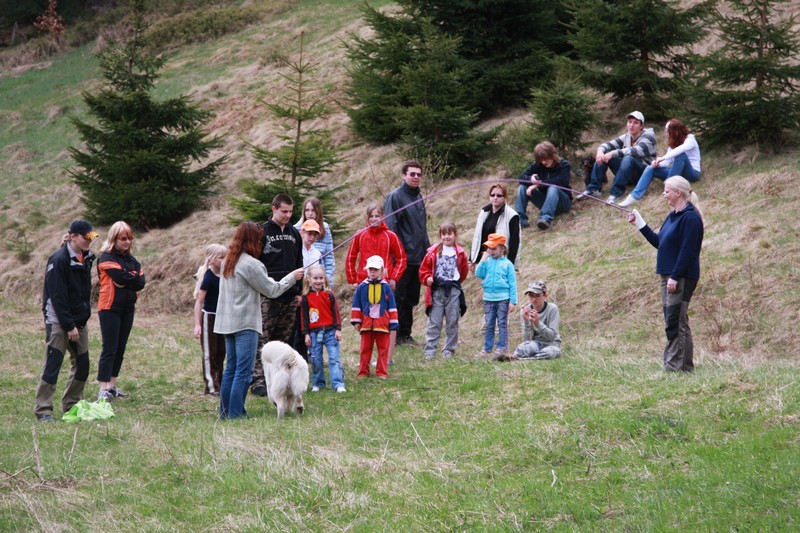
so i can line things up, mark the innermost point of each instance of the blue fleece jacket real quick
(499, 280)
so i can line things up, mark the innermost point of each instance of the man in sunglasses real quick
(65, 302)
(410, 224)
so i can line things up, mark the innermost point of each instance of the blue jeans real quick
(495, 313)
(551, 201)
(521, 205)
(241, 350)
(680, 167)
(625, 170)
(326, 338)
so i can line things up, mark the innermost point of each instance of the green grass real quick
(585, 442)
(598, 440)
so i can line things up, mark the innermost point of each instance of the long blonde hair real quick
(682, 185)
(213, 251)
(307, 282)
(117, 230)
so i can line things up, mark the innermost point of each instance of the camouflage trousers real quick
(278, 322)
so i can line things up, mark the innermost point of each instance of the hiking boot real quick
(46, 418)
(447, 354)
(481, 354)
(543, 223)
(259, 390)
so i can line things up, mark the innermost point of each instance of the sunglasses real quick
(497, 195)
(415, 174)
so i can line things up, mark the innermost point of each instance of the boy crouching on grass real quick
(374, 315)
(540, 322)
(443, 269)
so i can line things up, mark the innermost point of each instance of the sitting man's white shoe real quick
(613, 199)
(630, 200)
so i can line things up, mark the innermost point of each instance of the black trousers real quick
(406, 294)
(115, 328)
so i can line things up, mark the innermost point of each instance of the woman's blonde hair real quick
(682, 185)
(213, 251)
(117, 230)
(307, 282)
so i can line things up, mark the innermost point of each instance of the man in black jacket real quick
(410, 224)
(282, 253)
(66, 306)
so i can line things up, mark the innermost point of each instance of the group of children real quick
(374, 310)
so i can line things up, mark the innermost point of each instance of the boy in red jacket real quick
(443, 269)
(374, 315)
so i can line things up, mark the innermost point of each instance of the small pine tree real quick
(635, 48)
(747, 91)
(408, 83)
(306, 153)
(507, 44)
(563, 110)
(137, 162)
(437, 129)
(374, 68)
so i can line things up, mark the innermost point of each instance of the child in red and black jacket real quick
(374, 315)
(321, 325)
(444, 268)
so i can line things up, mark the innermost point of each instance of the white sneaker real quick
(613, 199)
(341, 389)
(314, 389)
(586, 193)
(630, 200)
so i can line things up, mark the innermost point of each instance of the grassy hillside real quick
(599, 439)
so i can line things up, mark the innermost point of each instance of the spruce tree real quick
(563, 110)
(307, 151)
(747, 90)
(409, 83)
(635, 48)
(507, 44)
(140, 161)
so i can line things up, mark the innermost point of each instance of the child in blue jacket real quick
(499, 294)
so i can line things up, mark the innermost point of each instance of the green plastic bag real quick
(85, 411)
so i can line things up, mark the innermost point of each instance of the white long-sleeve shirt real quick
(689, 147)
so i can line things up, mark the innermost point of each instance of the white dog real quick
(286, 374)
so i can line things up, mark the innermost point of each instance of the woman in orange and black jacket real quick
(121, 277)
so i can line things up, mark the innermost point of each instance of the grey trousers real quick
(57, 343)
(679, 351)
(445, 309)
(537, 350)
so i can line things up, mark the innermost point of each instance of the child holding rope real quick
(499, 294)
(443, 269)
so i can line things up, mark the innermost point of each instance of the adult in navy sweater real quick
(678, 263)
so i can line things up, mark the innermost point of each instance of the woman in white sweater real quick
(244, 278)
(682, 159)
